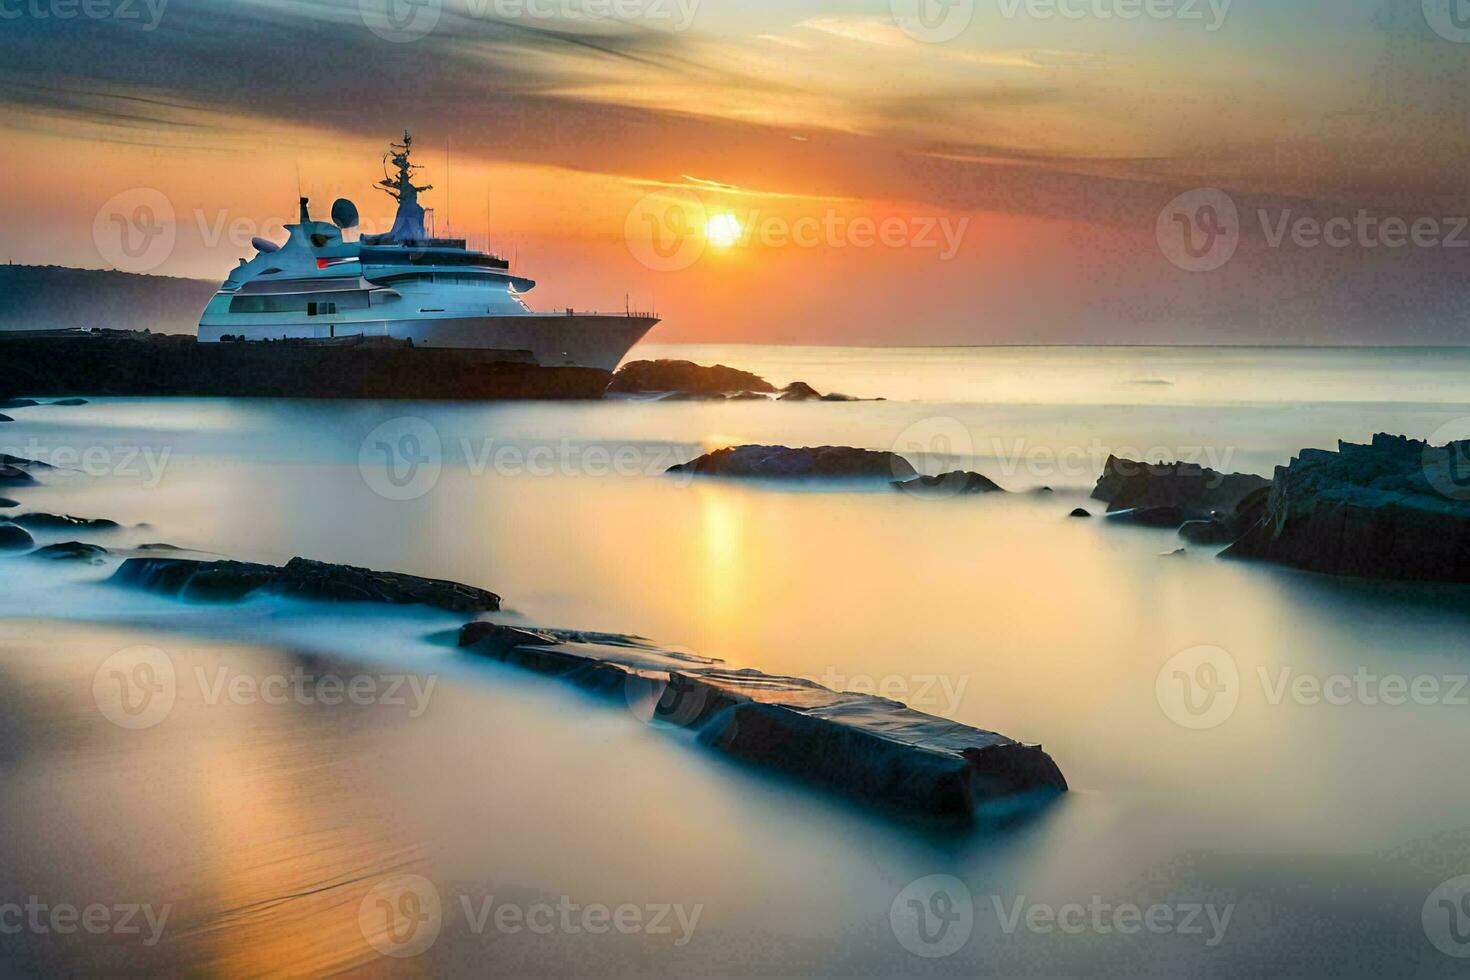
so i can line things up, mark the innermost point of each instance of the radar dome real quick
(344, 214)
(264, 245)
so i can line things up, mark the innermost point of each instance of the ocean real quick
(1310, 829)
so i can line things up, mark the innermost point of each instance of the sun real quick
(723, 230)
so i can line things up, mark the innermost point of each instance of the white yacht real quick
(406, 286)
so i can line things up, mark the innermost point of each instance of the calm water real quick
(1319, 828)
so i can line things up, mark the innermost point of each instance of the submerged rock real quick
(16, 471)
(6, 503)
(227, 581)
(6, 418)
(70, 402)
(73, 551)
(14, 538)
(17, 403)
(783, 463)
(646, 377)
(1080, 512)
(1397, 508)
(62, 522)
(953, 484)
(869, 748)
(1197, 492)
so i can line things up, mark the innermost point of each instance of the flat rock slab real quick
(781, 462)
(869, 748)
(1197, 491)
(62, 522)
(74, 551)
(232, 581)
(685, 377)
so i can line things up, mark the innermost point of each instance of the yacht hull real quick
(550, 340)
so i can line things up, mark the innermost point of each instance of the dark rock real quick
(641, 377)
(16, 471)
(833, 396)
(1216, 530)
(73, 551)
(949, 485)
(62, 522)
(869, 748)
(6, 503)
(1080, 512)
(1175, 553)
(1043, 491)
(1150, 516)
(17, 403)
(1397, 508)
(14, 538)
(496, 640)
(227, 581)
(1196, 490)
(799, 391)
(781, 462)
(6, 418)
(749, 396)
(70, 402)
(159, 547)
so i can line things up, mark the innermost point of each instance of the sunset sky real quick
(1000, 171)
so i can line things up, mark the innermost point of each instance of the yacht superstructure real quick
(405, 285)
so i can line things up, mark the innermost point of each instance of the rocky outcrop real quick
(780, 462)
(14, 538)
(74, 551)
(9, 403)
(800, 391)
(6, 418)
(70, 402)
(686, 377)
(230, 581)
(869, 748)
(954, 484)
(1396, 508)
(1080, 512)
(1199, 492)
(6, 503)
(1149, 516)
